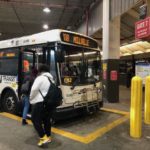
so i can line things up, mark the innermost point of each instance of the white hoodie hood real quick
(48, 75)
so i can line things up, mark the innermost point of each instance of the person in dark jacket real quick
(25, 90)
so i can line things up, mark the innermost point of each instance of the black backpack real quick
(53, 96)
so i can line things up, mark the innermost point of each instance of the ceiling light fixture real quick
(46, 10)
(45, 26)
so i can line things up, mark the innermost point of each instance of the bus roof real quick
(45, 37)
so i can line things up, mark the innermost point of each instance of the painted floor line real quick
(101, 131)
(54, 130)
(94, 135)
(115, 111)
(89, 137)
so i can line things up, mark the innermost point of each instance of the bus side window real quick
(8, 66)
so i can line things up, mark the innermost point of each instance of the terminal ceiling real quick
(128, 43)
(24, 17)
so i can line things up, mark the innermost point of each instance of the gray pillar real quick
(148, 7)
(110, 58)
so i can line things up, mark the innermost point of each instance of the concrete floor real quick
(14, 136)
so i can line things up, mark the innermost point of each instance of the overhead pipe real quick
(87, 22)
(84, 16)
(87, 15)
(41, 4)
(19, 20)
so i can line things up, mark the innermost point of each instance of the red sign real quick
(142, 29)
(113, 75)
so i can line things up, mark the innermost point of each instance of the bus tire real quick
(9, 102)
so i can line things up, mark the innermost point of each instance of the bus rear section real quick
(15, 65)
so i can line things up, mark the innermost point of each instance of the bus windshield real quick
(81, 66)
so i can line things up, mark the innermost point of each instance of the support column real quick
(111, 54)
(148, 7)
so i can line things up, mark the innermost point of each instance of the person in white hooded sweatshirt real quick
(41, 114)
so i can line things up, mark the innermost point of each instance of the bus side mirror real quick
(60, 56)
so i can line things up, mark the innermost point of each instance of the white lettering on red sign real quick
(142, 29)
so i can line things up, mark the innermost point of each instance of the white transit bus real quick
(74, 61)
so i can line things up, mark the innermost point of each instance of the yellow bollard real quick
(136, 107)
(147, 101)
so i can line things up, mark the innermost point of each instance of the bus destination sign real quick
(7, 54)
(78, 40)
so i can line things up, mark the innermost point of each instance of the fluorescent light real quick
(137, 52)
(46, 10)
(74, 55)
(89, 53)
(148, 50)
(45, 26)
(126, 54)
(39, 53)
(80, 54)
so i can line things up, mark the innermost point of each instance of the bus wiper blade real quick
(75, 83)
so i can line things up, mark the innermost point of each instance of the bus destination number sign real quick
(78, 40)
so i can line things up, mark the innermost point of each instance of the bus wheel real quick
(9, 102)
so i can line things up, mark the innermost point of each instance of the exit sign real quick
(142, 29)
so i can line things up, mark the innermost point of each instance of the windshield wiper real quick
(75, 83)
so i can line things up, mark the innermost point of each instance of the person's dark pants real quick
(41, 118)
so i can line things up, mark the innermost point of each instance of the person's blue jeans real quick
(26, 105)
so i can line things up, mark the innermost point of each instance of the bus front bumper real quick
(69, 112)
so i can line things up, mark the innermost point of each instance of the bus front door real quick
(28, 62)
